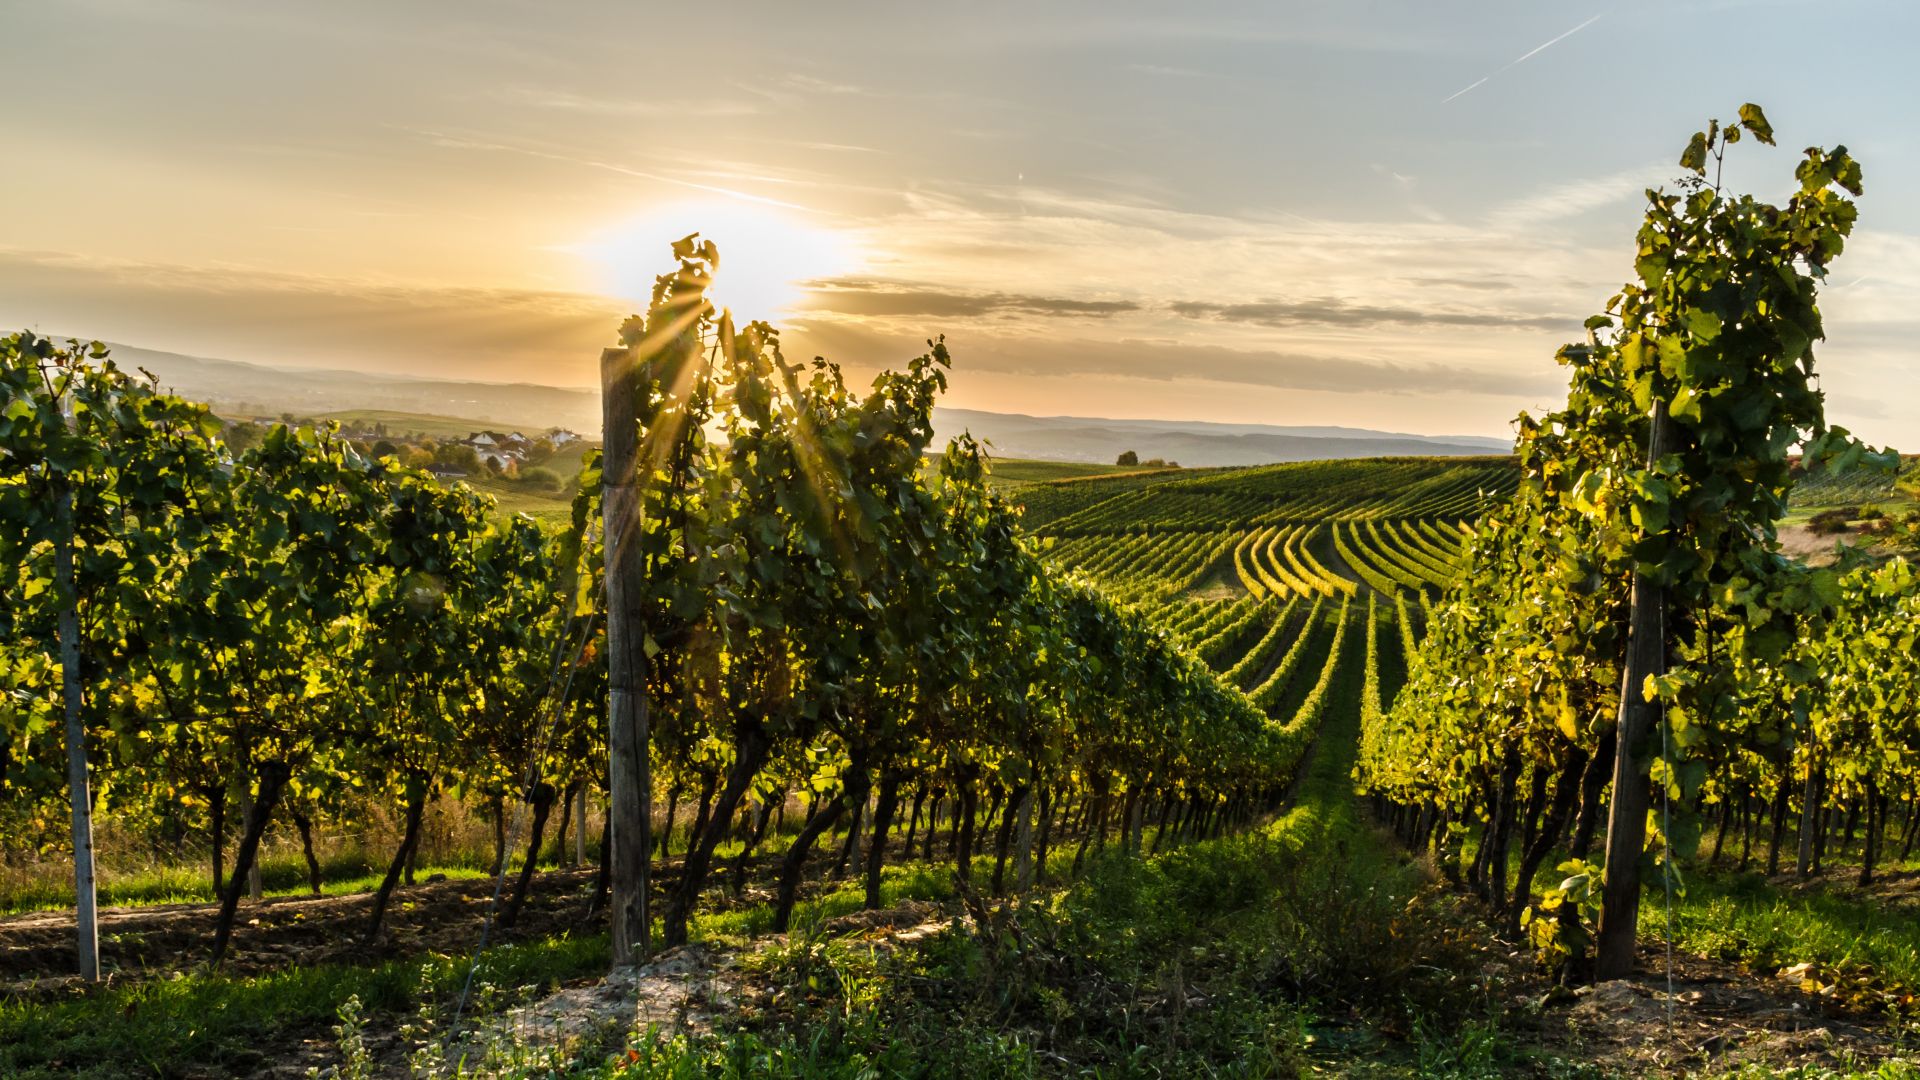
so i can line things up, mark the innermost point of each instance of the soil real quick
(36, 950)
(164, 940)
(1815, 549)
(1718, 1018)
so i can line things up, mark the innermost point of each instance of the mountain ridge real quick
(248, 388)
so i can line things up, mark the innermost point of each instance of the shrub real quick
(1828, 522)
(541, 478)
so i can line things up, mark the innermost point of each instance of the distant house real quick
(502, 450)
(446, 472)
(561, 437)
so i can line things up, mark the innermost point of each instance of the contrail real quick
(1523, 58)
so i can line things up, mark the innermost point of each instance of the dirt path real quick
(1718, 1018)
(36, 950)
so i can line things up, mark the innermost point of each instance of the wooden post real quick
(86, 918)
(1632, 788)
(629, 779)
(254, 884)
(580, 830)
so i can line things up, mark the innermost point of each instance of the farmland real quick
(799, 744)
(1305, 586)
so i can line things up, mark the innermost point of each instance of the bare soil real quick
(1815, 549)
(1718, 1017)
(36, 950)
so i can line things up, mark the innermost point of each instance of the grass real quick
(209, 1021)
(1215, 959)
(428, 424)
(281, 874)
(1007, 471)
(1864, 947)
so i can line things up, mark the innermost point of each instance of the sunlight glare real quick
(766, 254)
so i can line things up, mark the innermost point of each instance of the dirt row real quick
(36, 950)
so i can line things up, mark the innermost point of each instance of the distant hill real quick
(250, 389)
(257, 389)
(1195, 443)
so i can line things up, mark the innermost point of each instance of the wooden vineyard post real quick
(86, 918)
(629, 779)
(1632, 787)
(580, 830)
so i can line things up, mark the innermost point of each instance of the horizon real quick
(1309, 216)
(594, 392)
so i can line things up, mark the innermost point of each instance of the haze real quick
(1372, 214)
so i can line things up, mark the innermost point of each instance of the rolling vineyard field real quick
(1061, 775)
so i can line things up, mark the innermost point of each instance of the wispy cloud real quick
(244, 313)
(569, 101)
(460, 142)
(1521, 59)
(857, 296)
(1567, 200)
(1166, 362)
(1174, 72)
(1328, 311)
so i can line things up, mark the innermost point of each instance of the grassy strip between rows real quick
(1222, 958)
(1865, 950)
(160, 1028)
(208, 1021)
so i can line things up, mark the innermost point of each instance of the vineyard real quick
(851, 757)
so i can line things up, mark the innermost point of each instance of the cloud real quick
(570, 101)
(857, 296)
(1562, 201)
(812, 85)
(1329, 311)
(461, 142)
(1174, 72)
(241, 314)
(1170, 362)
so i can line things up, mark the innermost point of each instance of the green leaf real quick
(1694, 157)
(1755, 121)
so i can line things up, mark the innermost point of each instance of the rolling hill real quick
(259, 389)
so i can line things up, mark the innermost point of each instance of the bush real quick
(1829, 522)
(541, 479)
(1128, 458)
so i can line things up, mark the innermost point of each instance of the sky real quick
(1357, 212)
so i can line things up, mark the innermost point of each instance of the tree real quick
(1128, 459)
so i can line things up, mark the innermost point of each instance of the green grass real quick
(205, 1021)
(427, 424)
(1033, 471)
(1306, 912)
(281, 874)
(1870, 947)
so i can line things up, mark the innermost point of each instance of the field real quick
(813, 749)
(1309, 941)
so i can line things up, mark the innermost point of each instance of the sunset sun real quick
(767, 254)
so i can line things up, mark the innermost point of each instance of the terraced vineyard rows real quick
(1263, 572)
(1301, 530)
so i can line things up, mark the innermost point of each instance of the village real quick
(478, 454)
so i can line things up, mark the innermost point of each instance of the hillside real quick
(259, 389)
(1193, 442)
(269, 390)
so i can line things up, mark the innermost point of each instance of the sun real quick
(767, 254)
